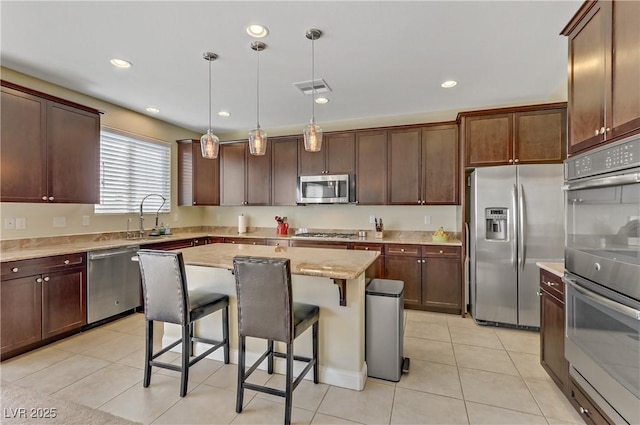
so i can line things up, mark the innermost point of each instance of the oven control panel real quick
(616, 156)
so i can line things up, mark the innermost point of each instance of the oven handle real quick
(622, 309)
(604, 182)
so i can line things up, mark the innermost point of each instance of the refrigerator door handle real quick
(522, 237)
(514, 207)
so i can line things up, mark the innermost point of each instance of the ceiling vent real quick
(306, 87)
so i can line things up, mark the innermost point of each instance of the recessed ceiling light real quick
(153, 110)
(120, 63)
(224, 114)
(257, 31)
(322, 100)
(449, 84)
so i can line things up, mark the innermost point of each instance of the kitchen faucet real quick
(157, 212)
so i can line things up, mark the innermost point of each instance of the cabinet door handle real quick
(418, 201)
(597, 132)
(511, 160)
(401, 249)
(51, 198)
(607, 129)
(194, 202)
(254, 243)
(366, 248)
(550, 283)
(15, 269)
(441, 252)
(538, 293)
(39, 280)
(67, 261)
(47, 278)
(44, 198)
(602, 129)
(584, 411)
(516, 160)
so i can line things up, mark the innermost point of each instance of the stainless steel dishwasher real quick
(113, 283)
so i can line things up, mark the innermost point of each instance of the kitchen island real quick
(333, 279)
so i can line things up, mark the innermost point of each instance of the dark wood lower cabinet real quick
(441, 284)
(21, 314)
(42, 299)
(552, 329)
(432, 275)
(63, 302)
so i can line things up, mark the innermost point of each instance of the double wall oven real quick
(602, 276)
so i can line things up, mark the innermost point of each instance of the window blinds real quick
(130, 169)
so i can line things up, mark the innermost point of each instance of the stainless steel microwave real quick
(326, 189)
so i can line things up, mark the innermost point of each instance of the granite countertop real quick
(552, 267)
(45, 247)
(323, 262)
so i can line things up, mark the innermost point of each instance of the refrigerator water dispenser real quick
(496, 228)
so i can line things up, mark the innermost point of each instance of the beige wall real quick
(39, 217)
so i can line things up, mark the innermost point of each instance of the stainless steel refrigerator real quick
(517, 219)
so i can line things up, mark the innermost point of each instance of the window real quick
(132, 167)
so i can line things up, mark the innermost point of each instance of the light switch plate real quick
(9, 223)
(427, 219)
(372, 219)
(85, 220)
(21, 223)
(59, 222)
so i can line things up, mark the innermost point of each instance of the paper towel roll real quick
(242, 224)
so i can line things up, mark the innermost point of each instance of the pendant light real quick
(258, 137)
(209, 142)
(313, 132)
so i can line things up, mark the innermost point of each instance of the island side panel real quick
(341, 338)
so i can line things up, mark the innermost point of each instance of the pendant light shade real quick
(209, 142)
(312, 132)
(258, 137)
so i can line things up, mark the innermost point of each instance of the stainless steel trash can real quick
(384, 331)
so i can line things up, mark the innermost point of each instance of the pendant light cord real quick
(258, 89)
(209, 130)
(313, 83)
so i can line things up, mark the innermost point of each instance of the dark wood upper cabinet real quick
(50, 148)
(232, 173)
(404, 167)
(525, 135)
(245, 179)
(604, 73)
(336, 157)
(284, 171)
(371, 167)
(488, 140)
(198, 177)
(440, 165)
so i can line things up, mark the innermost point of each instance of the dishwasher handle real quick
(108, 254)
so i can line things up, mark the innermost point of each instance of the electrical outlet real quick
(21, 223)
(85, 220)
(372, 219)
(427, 219)
(59, 221)
(9, 223)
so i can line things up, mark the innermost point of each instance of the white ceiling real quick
(380, 58)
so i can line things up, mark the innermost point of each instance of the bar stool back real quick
(266, 310)
(167, 299)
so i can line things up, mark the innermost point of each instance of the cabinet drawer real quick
(552, 284)
(246, 241)
(320, 244)
(20, 268)
(402, 250)
(361, 246)
(441, 251)
(277, 242)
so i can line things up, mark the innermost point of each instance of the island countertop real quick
(322, 262)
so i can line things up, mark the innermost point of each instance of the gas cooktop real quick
(327, 235)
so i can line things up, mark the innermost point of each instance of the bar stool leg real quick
(191, 343)
(148, 353)
(225, 333)
(316, 365)
(184, 375)
(270, 357)
(288, 388)
(241, 358)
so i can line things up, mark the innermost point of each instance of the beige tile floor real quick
(461, 373)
